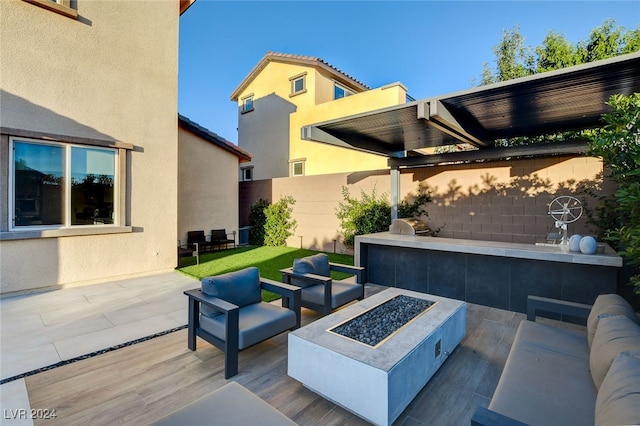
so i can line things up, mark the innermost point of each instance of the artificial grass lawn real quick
(268, 259)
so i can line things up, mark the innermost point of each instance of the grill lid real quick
(409, 226)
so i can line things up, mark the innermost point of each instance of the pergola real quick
(412, 134)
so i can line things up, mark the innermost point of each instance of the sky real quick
(432, 47)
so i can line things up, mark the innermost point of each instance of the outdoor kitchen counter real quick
(489, 273)
(488, 248)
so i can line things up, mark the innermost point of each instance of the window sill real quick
(70, 232)
(246, 111)
(55, 7)
(291, 95)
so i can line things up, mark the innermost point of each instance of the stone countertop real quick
(488, 248)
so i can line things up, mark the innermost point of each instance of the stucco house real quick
(89, 153)
(207, 180)
(284, 92)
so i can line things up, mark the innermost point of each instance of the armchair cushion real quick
(341, 293)
(241, 288)
(317, 264)
(618, 401)
(614, 335)
(256, 323)
(608, 305)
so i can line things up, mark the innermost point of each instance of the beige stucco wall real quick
(493, 201)
(271, 132)
(208, 186)
(109, 75)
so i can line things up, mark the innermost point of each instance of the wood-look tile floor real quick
(143, 382)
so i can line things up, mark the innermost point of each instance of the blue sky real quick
(433, 47)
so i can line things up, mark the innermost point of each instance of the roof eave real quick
(214, 139)
(295, 59)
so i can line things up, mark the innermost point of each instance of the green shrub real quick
(278, 224)
(257, 220)
(370, 213)
(618, 144)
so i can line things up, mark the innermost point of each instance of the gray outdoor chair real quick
(229, 313)
(319, 292)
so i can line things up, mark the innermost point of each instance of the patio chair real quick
(319, 292)
(198, 237)
(221, 236)
(229, 313)
(188, 251)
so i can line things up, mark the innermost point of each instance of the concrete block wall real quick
(495, 201)
(508, 200)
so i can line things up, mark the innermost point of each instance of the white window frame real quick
(244, 103)
(293, 167)
(243, 174)
(347, 91)
(67, 186)
(62, 7)
(300, 77)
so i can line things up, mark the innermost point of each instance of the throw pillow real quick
(618, 401)
(614, 335)
(608, 305)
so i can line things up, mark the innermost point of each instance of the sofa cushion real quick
(614, 335)
(546, 379)
(618, 401)
(241, 288)
(318, 264)
(256, 323)
(232, 404)
(608, 305)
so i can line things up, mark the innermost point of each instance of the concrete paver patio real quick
(42, 329)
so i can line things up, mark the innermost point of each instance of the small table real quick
(376, 383)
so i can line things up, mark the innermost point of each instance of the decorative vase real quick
(574, 242)
(588, 245)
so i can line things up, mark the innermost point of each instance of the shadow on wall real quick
(513, 210)
(22, 118)
(264, 132)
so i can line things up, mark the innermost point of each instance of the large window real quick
(58, 185)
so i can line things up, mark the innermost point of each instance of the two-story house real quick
(88, 140)
(284, 92)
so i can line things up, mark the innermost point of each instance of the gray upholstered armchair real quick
(229, 313)
(319, 292)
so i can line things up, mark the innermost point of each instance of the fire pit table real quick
(373, 357)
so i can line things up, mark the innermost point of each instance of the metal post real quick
(395, 192)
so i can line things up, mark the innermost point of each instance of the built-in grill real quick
(410, 226)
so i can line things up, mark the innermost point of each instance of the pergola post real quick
(395, 191)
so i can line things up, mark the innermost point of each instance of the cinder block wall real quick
(495, 201)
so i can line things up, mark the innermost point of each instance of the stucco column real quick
(395, 192)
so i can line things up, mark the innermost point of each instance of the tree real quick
(605, 41)
(618, 144)
(513, 59)
(555, 52)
